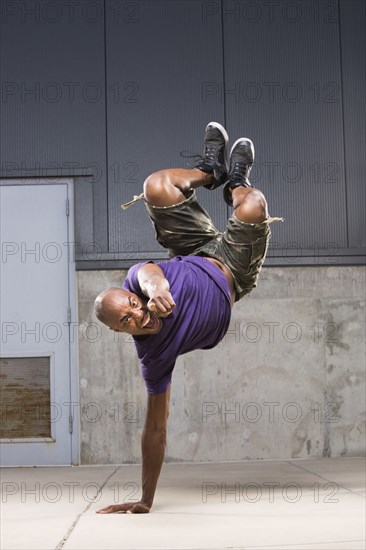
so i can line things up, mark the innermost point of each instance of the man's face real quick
(126, 312)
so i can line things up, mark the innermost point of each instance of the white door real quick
(36, 416)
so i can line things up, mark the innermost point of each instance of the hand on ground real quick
(127, 508)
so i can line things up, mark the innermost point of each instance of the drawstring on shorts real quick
(136, 198)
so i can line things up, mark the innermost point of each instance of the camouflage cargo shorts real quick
(187, 229)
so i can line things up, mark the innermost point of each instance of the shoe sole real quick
(238, 141)
(221, 128)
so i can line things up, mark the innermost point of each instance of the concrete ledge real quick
(288, 380)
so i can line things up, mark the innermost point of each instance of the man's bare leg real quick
(166, 187)
(250, 205)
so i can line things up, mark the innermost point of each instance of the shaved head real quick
(124, 311)
(107, 303)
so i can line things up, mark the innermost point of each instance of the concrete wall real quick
(288, 381)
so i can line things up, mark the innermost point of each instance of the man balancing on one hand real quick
(183, 304)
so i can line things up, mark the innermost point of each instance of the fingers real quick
(162, 305)
(114, 508)
(159, 308)
(129, 508)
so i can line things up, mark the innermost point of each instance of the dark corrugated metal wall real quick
(122, 88)
(160, 63)
(353, 48)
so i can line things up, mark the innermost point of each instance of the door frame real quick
(73, 406)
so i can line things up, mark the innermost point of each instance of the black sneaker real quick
(214, 159)
(241, 162)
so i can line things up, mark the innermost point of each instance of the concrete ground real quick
(313, 504)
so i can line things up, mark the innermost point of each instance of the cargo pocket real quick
(258, 254)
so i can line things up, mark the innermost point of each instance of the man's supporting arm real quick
(153, 443)
(153, 448)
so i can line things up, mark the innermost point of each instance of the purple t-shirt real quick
(200, 319)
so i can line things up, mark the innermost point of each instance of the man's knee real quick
(258, 204)
(251, 205)
(155, 187)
